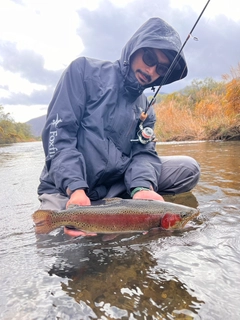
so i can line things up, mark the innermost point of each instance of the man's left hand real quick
(147, 195)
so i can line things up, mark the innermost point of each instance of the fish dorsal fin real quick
(74, 206)
(112, 200)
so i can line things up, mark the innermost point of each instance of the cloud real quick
(217, 50)
(27, 63)
(4, 87)
(30, 66)
(19, 2)
(38, 97)
(105, 31)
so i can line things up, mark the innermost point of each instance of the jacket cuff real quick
(76, 185)
(141, 184)
(135, 190)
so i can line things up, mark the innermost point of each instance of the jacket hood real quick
(155, 33)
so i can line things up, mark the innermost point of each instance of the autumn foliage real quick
(11, 131)
(205, 110)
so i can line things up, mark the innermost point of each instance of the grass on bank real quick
(205, 110)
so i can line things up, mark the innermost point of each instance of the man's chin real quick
(142, 78)
(144, 84)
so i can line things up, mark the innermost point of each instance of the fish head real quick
(178, 220)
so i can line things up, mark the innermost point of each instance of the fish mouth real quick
(185, 217)
(39, 223)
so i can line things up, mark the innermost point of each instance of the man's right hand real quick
(79, 198)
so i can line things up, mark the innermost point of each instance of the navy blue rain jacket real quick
(94, 114)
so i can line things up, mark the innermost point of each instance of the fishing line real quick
(174, 62)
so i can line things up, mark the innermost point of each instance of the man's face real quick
(148, 64)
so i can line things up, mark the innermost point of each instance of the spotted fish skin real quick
(116, 216)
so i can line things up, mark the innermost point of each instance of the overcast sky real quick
(38, 39)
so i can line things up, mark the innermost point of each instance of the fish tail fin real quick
(43, 221)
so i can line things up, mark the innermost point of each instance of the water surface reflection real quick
(123, 279)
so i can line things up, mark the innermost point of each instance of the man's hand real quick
(77, 233)
(79, 198)
(147, 195)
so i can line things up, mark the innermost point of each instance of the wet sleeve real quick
(145, 167)
(65, 164)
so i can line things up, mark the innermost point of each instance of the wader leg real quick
(53, 201)
(116, 190)
(179, 174)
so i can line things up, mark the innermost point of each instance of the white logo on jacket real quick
(52, 136)
(56, 121)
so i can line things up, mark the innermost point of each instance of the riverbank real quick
(207, 110)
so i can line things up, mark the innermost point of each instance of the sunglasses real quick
(150, 58)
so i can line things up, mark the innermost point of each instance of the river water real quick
(192, 274)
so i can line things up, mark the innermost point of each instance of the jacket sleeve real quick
(65, 164)
(145, 167)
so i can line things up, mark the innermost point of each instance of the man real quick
(93, 144)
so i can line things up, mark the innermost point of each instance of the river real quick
(188, 274)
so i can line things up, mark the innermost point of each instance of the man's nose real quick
(151, 70)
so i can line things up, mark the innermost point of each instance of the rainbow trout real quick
(116, 216)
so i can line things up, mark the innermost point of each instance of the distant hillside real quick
(36, 125)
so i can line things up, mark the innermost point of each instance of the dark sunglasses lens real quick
(149, 58)
(161, 69)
